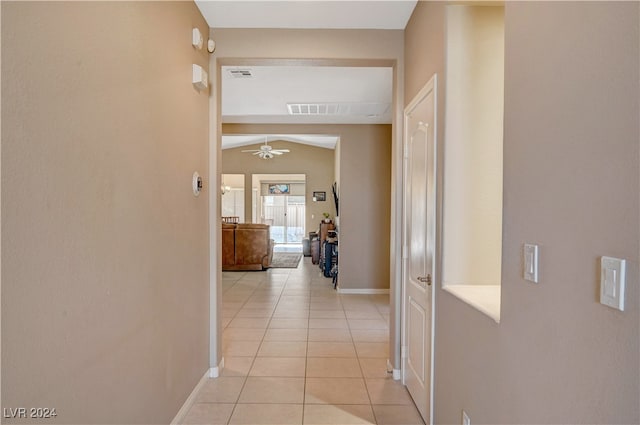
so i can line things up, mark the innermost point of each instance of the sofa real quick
(246, 246)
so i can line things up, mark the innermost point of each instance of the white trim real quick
(484, 298)
(397, 374)
(214, 372)
(190, 400)
(215, 231)
(366, 291)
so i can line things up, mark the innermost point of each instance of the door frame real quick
(431, 85)
(233, 56)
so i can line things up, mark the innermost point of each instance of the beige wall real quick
(570, 155)
(104, 247)
(364, 193)
(337, 166)
(472, 198)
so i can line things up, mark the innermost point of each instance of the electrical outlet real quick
(465, 418)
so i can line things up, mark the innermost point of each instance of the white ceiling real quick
(358, 95)
(354, 95)
(328, 14)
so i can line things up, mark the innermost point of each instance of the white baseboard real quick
(189, 401)
(366, 291)
(213, 372)
(397, 374)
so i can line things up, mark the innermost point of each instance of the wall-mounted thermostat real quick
(197, 184)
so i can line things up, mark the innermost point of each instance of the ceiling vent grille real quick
(240, 73)
(345, 109)
(313, 108)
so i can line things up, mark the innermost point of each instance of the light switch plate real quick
(612, 280)
(465, 418)
(531, 262)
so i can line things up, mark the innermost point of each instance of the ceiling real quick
(359, 14)
(305, 94)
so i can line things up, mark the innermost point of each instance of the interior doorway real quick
(232, 189)
(224, 115)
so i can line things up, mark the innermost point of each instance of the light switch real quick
(612, 277)
(531, 262)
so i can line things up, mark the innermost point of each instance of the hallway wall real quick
(571, 185)
(104, 247)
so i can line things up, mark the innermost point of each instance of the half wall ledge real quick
(484, 298)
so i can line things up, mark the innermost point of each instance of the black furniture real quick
(330, 257)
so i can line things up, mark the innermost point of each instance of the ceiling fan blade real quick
(251, 150)
(276, 153)
(282, 150)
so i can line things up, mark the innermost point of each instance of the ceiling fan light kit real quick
(266, 151)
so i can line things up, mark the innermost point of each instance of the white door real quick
(419, 246)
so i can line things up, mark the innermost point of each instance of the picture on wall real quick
(279, 189)
(320, 196)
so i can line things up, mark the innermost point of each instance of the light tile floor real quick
(291, 247)
(296, 352)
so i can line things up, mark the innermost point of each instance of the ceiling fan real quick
(266, 151)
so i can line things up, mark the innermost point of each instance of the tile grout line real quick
(244, 383)
(375, 419)
(306, 356)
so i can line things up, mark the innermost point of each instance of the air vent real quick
(370, 110)
(313, 108)
(240, 73)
